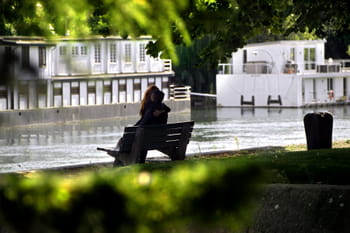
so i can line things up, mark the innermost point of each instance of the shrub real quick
(130, 199)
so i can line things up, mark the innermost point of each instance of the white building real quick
(44, 74)
(282, 73)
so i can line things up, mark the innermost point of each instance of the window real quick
(25, 56)
(345, 91)
(42, 56)
(63, 50)
(83, 50)
(75, 50)
(245, 56)
(314, 89)
(292, 54)
(142, 52)
(113, 53)
(329, 84)
(310, 58)
(97, 54)
(128, 53)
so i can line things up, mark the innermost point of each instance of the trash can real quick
(318, 129)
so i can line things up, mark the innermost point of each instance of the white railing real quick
(334, 66)
(167, 65)
(225, 68)
(249, 68)
(180, 92)
(203, 94)
(344, 64)
(257, 68)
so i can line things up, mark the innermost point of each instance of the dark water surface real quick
(55, 145)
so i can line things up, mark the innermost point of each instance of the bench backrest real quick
(157, 136)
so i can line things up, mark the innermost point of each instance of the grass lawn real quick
(292, 164)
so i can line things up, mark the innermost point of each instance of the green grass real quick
(281, 164)
(327, 166)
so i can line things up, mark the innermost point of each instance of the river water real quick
(56, 145)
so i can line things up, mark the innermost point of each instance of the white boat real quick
(283, 74)
(75, 79)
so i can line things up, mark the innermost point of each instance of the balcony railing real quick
(257, 68)
(180, 92)
(344, 64)
(334, 66)
(167, 65)
(224, 68)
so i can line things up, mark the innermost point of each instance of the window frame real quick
(75, 51)
(128, 55)
(330, 84)
(83, 50)
(292, 54)
(113, 53)
(25, 56)
(62, 51)
(42, 56)
(97, 53)
(310, 58)
(142, 52)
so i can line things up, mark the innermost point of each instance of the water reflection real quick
(25, 148)
(236, 128)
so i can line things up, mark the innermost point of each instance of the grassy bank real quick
(290, 164)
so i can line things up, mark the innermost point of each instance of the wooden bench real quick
(170, 139)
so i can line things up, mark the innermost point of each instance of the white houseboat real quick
(76, 79)
(284, 74)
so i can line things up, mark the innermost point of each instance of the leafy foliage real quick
(231, 23)
(131, 200)
(192, 69)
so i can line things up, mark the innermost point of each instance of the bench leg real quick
(180, 154)
(127, 158)
(142, 157)
(174, 153)
(117, 163)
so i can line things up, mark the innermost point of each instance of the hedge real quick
(189, 196)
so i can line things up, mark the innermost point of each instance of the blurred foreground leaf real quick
(208, 194)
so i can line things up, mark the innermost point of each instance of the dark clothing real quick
(149, 119)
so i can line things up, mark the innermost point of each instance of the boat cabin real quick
(66, 72)
(282, 73)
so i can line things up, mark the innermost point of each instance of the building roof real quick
(42, 41)
(24, 40)
(286, 42)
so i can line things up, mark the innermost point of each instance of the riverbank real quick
(194, 156)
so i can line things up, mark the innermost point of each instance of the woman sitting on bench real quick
(153, 111)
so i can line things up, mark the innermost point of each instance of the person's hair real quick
(157, 96)
(147, 97)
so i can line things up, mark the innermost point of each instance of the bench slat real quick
(153, 139)
(158, 145)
